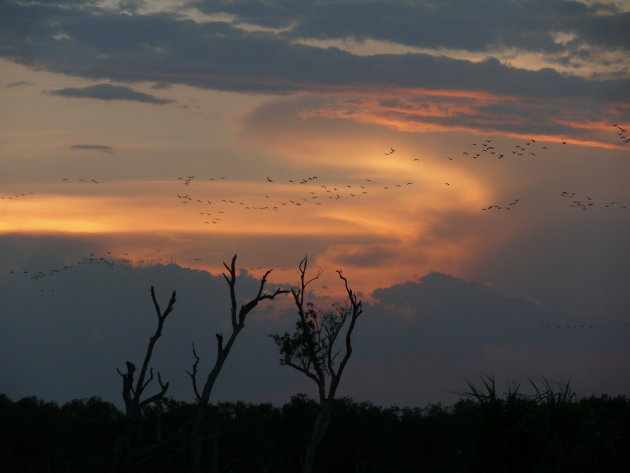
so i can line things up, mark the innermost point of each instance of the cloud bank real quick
(419, 339)
(458, 24)
(416, 91)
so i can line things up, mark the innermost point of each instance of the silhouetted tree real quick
(238, 317)
(127, 451)
(311, 349)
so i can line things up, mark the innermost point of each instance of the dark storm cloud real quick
(99, 315)
(215, 55)
(460, 24)
(573, 277)
(131, 5)
(444, 315)
(108, 92)
(103, 148)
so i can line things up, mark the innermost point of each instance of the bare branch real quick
(222, 353)
(357, 310)
(169, 308)
(146, 383)
(238, 323)
(193, 375)
(141, 385)
(158, 396)
(130, 437)
(263, 280)
(306, 371)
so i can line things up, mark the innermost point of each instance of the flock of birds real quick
(306, 191)
(315, 192)
(112, 262)
(16, 196)
(213, 204)
(622, 133)
(124, 263)
(486, 147)
(590, 326)
(121, 262)
(587, 202)
(504, 207)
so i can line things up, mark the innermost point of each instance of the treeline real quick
(551, 431)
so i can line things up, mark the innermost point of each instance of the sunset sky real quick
(465, 163)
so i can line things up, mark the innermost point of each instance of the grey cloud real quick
(108, 92)
(473, 26)
(101, 315)
(16, 84)
(580, 281)
(443, 316)
(512, 116)
(131, 5)
(214, 55)
(103, 148)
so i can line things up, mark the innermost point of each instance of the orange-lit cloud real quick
(425, 111)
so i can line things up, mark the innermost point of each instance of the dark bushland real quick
(550, 431)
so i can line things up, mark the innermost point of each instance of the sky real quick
(464, 163)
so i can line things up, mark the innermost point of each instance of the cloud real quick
(79, 320)
(455, 24)
(108, 92)
(103, 148)
(162, 47)
(17, 84)
(434, 91)
(447, 110)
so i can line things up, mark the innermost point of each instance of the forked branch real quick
(132, 388)
(238, 317)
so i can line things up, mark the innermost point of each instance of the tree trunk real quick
(319, 430)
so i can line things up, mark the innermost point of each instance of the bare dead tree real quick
(132, 392)
(238, 316)
(312, 350)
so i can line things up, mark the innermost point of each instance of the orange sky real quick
(385, 216)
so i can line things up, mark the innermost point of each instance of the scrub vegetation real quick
(549, 431)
